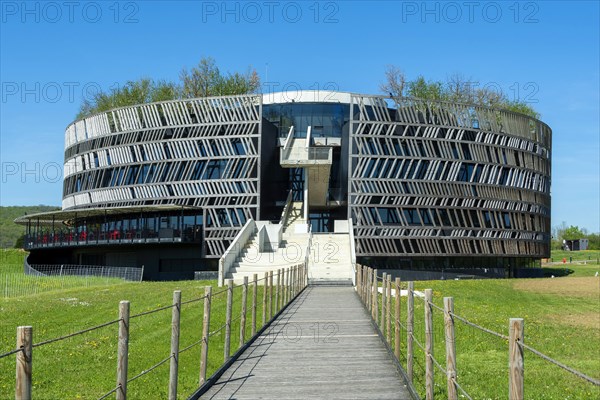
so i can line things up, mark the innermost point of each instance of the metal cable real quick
(501, 336)
(11, 352)
(461, 389)
(151, 311)
(559, 364)
(75, 333)
(152, 368)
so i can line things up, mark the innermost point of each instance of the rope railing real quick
(193, 300)
(191, 346)
(105, 395)
(390, 326)
(481, 328)
(10, 353)
(281, 288)
(81, 332)
(437, 364)
(152, 368)
(152, 311)
(463, 391)
(581, 375)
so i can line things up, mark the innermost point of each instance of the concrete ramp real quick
(330, 260)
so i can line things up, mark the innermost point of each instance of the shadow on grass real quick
(548, 272)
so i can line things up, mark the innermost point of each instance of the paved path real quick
(322, 347)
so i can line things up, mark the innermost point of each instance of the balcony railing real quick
(116, 236)
(306, 155)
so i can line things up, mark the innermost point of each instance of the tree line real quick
(573, 232)
(456, 89)
(202, 80)
(206, 79)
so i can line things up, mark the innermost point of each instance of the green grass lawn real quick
(85, 366)
(562, 320)
(584, 255)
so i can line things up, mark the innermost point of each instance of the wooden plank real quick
(312, 351)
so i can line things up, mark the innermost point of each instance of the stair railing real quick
(234, 249)
(286, 210)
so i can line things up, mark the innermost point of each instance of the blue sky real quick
(544, 52)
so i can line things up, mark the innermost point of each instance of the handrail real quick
(288, 139)
(352, 249)
(234, 249)
(286, 209)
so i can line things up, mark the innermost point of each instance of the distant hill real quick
(9, 231)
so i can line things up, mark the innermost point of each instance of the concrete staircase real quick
(292, 250)
(330, 261)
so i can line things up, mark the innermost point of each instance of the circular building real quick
(425, 185)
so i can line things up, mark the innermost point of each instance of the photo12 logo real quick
(36, 172)
(50, 92)
(453, 12)
(52, 12)
(253, 12)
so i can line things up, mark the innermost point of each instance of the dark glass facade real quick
(427, 185)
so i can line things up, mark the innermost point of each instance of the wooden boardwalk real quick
(323, 346)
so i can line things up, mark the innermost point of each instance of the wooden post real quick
(227, 344)
(123, 350)
(205, 333)
(24, 363)
(450, 347)
(367, 288)
(515, 359)
(254, 300)
(410, 311)
(265, 295)
(383, 304)
(397, 320)
(277, 290)
(244, 309)
(429, 373)
(375, 294)
(388, 307)
(289, 288)
(270, 303)
(295, 281)
(175, 318)
(283, 291)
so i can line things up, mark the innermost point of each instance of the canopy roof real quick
(66, 217)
